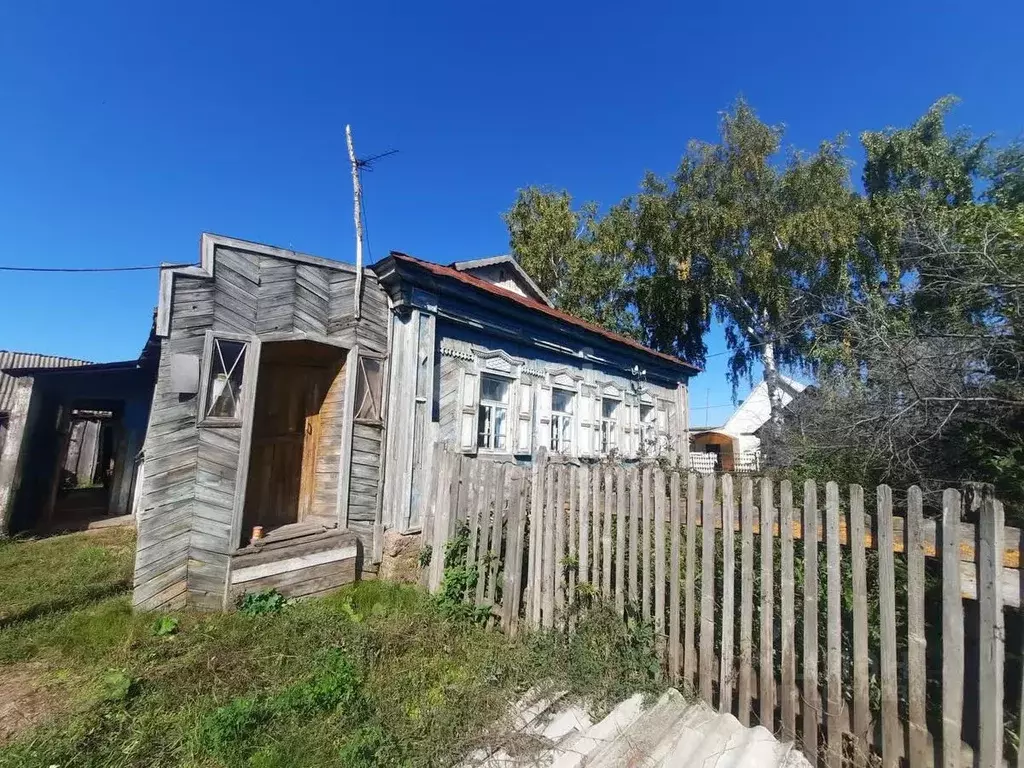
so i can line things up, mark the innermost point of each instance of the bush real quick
(261, 603)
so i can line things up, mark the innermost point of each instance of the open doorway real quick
(91, 433)
(296, 435)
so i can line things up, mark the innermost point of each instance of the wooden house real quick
(70, 437)
(296, 401)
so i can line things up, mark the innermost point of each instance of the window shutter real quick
(524, 437)
(543, 405)
(470, 400)
(584, 424)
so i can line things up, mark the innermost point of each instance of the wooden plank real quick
(952, 631)
(606, 537)
(487, 502)
(572, 491)
(862, 726)
(620, 539)
(991, 634)
(919, 755)
(812, 700)
(725, 674)
(514, 556)
(442, 512)
(766, 669)
(536, 538)
(595, 523)
(707, 590)
(787, 598)
(645, 543)
(744, 692)
(659, 560)
(561, 479)
(473, 488)
(549, 566)
(584, 529)
(834, 752)
(634, 534)
(689, 601)
(675, 520)
(891, 730)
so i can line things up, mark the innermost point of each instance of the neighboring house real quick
(70, 437)
(735, 446)
(285, 407)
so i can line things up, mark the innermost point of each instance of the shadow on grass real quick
(87, 596)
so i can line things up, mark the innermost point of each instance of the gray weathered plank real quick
(561, 478)
(572, 541)
(707, 590)
(659, 560)
(744, 694)
(676, 523)
(812, 699)
(991, 633)
(634, 534)
(689, 598)
(584, 529)
(916, 644)
(550, 567)
(787, 599)
(834, 752)
(646, 542)
(606, 537)
(725, 675)
(952, 631)
(861, 711)
(595, 524)
(512, 594)
(892, 732)
(766, 668)
(620, 539)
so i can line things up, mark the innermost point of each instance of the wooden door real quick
(286, 429)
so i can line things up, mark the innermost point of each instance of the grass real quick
(375, 675)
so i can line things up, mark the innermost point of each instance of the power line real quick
(94, 269)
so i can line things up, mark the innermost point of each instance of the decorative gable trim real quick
(458, 354)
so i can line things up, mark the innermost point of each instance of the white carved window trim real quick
(485, 404)
(563, 423)
(609, 428)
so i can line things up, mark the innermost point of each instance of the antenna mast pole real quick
(357, 198)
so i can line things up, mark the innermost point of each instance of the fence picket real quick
(952, 631)
(690, 565)
(858, 564)
(514, 561)
(916, 646)
(548, 549)
(572, 491)
(812, 699)
(990, 614)
(788, 617)
(494, 550)
(584, 531)
(471, 486)
(766, 668)
(892, 731)
(595, 524)
(606, 536)
(620, 539)
(659, 560)
(486, 494)
(561, 479)
(634, 534)
(645, 548)
(675, 522)
(707, 590)
(725, 674)
(834, 753)
(744, 692)
(536, 573)
(441, 518)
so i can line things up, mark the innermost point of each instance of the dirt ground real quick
(27, 698)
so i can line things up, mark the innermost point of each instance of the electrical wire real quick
(92, 269)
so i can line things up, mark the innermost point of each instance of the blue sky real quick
(128, 128)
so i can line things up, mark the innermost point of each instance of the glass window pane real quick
(561, 400)
(609, 407)
(495, 389)
(368, 389)
(225, 386)
(484, 427)
(499, 429)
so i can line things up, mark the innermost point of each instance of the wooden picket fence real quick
(686, 553)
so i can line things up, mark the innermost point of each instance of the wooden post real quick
(560, 483)
(861, 709)
(834, 753)
(606, 537)
(595, 521)
(707, 591)
(634, 534)
(788, 617)
(725, 675)
(916, 645)
(573, 542)
(549, 567)
(744, 690)
(952, 631)
(674, 563)
(812, 700)
(990, 614)
(646, 543)
(357, 205)
(766, 669)
(892, 732)
(584, 532)
(659, 561)
(536, 573)
(620, 539)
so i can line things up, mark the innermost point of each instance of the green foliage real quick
(165, 626)
(369, 747)
(335, 685)
(266, 601)
(117, 685)
(459, 581)
(235, 729)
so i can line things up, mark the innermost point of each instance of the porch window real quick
(609, 424)
(369, 383)
(492, 418)
(562, 401)
(225, 372)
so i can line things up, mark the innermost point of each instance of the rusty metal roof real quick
(26, 360)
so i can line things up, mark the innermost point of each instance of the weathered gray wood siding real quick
(366, 462)
(186, 524)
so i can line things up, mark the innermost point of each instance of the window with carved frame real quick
(223, 392)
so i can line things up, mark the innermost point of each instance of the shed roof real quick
(9, 360)
(556, 314)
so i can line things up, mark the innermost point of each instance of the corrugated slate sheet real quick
(26, 360)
